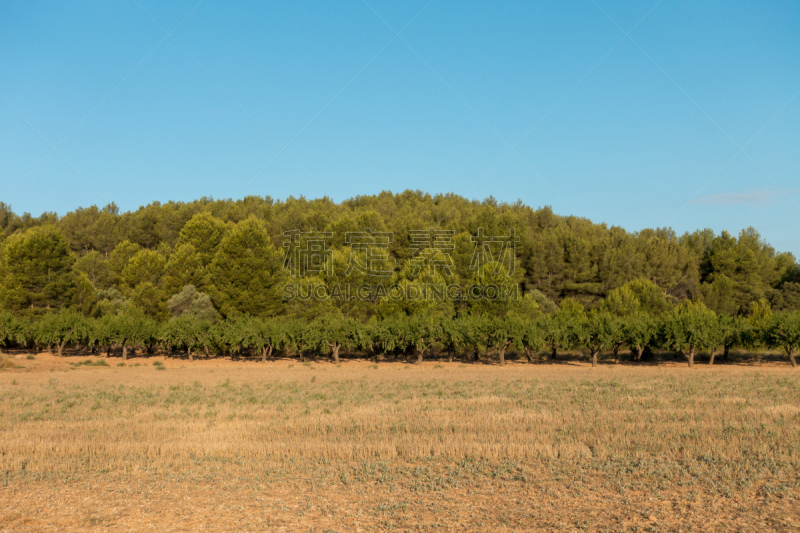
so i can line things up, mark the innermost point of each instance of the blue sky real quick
(691, 121)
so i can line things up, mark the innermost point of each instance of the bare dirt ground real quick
(220, 445)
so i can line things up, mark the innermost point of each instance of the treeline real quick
(209, 277)
(100, 263)
(688, 329)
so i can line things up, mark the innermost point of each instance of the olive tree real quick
(689, 328)
(10, 330)
(638, 332)
(597, 330)
(506, 332)
(60, 328)
(783, 329)
(333, 332)
(185, 330)
(133, 329)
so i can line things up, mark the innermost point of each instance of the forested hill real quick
(95, 259)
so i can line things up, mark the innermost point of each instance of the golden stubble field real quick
(216, 445)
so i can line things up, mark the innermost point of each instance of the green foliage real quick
(60, 328)
(759, 313)
(622, 302)
(783, 330)
(110, 302)
(507, 332)
(569, 307)
(84, 296)
(192, 302)
(120, 257)
(145, 266)
(150, 299)
(422, 333)
(720, 295)
(388, 335)
(477, 331)
(132, 329)
(739, 270)
(637, 296)
(10, 330)
(259, 335)
(231, 252)
(556, 330)
(786, 297)
(99, 331)
(499, 289)
(37, 267)
(689, 328)
(203, 232)
(96, 268)
(638, 333)
(334, 332)
(452, 336)
(246, 272)
(90, 229)
(543, 303)
(186, 331)
(735, 331)
(89, 362)
(597, 330)
(185, 267)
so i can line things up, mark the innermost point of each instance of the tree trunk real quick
(450, 357)
(335, 350)
(711, 358)
(419, 356)
(690, 357)
(725, 353)
(616, 355)
(189, 352)
(790, 353)
(554, 354)
(205, 349)
(529, 355)
(501, 354)
(61, 347)
(124, 352)
(594, 357)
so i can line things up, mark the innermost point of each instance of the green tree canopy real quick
(192, 302)
(689, 328)
(203, 232)
(246, 272)
(37, 267)
(783, 330)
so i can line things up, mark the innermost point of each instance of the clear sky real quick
(692, 120)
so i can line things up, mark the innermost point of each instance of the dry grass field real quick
(216, 445)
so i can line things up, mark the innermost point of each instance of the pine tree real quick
(38, 270)
(246, 272)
